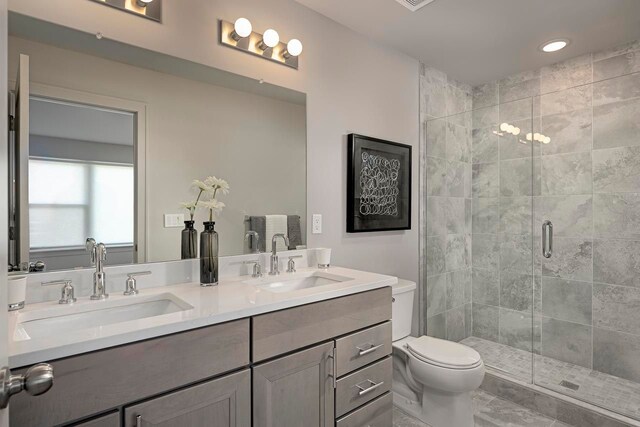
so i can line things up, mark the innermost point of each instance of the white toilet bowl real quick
(433, 378)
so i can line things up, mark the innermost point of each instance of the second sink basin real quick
(297, 282)
(62, 320)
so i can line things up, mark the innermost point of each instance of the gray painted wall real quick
(59, 148)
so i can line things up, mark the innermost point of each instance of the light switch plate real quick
(173, 220)
(316, 225)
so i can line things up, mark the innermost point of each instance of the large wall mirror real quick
(108, 139)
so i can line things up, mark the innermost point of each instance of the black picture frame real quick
(387, 208)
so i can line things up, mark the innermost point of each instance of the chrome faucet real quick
(254, 241)
(98, 253)
(275, 270)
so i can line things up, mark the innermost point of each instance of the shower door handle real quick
(547, 239)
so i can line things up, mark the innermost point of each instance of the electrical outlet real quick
(316, 224)
(173, 220)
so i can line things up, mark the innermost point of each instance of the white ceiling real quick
(476, 41)
(79, 122)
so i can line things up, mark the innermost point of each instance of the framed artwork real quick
(378, 185)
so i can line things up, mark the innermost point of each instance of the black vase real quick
(209, 255)
(189, 241)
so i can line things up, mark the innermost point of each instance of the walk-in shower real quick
(531, 223)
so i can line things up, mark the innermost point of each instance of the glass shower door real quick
(589, 296)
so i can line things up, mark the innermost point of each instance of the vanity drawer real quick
(287, 330)
(357, 350)
(95, 382)
(377, 413)
(360, 387)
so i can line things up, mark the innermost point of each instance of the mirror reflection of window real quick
(81, 181)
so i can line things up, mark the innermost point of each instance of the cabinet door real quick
(295, 390)
(110, 420)
(225, 402)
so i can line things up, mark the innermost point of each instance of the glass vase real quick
(209, 255)
(189, 241)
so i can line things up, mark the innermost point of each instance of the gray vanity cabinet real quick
(224, 402)
(109, 420)
(295, 390)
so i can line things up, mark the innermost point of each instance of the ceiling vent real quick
(414, 5)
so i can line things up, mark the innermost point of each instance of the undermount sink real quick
(297, 282)
(68, 319)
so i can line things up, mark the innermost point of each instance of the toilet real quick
(432, 378)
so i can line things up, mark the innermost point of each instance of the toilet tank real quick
(402, 308)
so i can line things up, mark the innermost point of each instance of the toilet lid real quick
(446, 354)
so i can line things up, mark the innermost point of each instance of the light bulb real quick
(554, 45)
(516, 130)
(511, 129)
(294, 47)
(529, 136)
(143, 3)
(271, 38)
(504, 127)
(242, 28)
(546, 140)
(537, 137)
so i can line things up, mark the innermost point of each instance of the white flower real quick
(190, 206)
(213, 205)
(202, 185)
(217, 184)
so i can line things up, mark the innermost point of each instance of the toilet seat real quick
(442, 353)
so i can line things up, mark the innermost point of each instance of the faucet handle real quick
(291, 266)
(67, 291)
(257, 267)
(131, 286)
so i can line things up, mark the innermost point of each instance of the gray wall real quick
(352, 85)
(587, 181)
(62, 148)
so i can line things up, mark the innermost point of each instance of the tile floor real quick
(607, 391)
(490, 411)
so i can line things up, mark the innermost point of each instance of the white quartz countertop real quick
(234, 298)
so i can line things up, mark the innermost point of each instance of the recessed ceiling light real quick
(554, 45)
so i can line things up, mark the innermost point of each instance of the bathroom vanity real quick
(322, 360)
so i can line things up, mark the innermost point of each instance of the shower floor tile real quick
(607, 391)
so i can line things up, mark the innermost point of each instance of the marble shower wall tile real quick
(617, 215)
(511, 146)
(515, 178)
(616, 353)
(486, 180)
(484, 145)
(486, 321)
(567, 300)
(433, 93)
(632, 46)
(572, 259)
(565, 341)
(485, 95)
(618, 89)
(458, 143)
(617, 308)
(566, 74)
(455, 323)
(516, 254)
(516, 291)
(486, 215)
(436, 175)
(517, 329)
(617, 124)
(458, 252)
(616, 262)
(456, 182)
(515, 215)
(486, 251)
(437, 326)
(486, 286)
(567, 174)
(455, 215)
(436, 302)
(517, 110)
(436, 250)
(458, 288)
(569, 132)
(616, 170)
(436, 134)
(576, 98)
(485, 117)
(572, 216)
(616, 66)
(519, 90)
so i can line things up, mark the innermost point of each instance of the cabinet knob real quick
(36, 381)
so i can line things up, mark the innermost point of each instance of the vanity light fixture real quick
(150, 9)
(294, 48)
(241, 28)
(240, 35)
(270, 39)
(554, 45)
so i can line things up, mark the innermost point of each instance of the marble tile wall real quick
(446, 135)
(582, 306)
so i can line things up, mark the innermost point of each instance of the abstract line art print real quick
(378, 185)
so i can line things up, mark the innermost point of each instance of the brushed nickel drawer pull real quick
(373, 386)
(365, 351)
(139, 421)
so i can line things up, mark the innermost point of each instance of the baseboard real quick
(554, 405)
